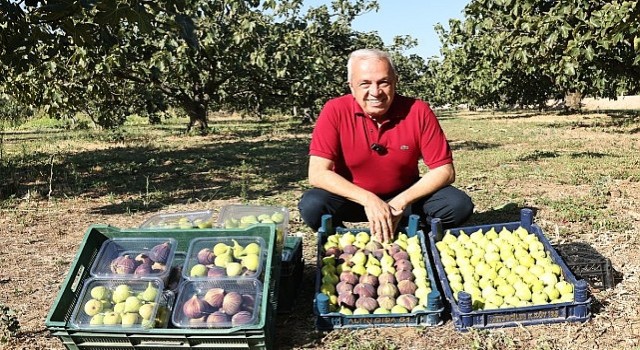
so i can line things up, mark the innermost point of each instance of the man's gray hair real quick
(370, 53)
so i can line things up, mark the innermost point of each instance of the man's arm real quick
(379, 213)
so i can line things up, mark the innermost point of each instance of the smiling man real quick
(365, 152)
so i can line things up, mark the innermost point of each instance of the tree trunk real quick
(197, 115)
(573, 101)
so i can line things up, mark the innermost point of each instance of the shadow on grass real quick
(142, 177)
(509, 212)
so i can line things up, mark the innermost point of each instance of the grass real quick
(579, 174)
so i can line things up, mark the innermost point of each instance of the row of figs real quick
(363, 276)
(218, 307)
(153, 261)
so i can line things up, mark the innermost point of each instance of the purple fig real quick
(350, 249)
(407, 287)
(378, 253)
(364, 290)
(218, 317)
(160, 253)
(205, 256)
(387, 302)
(143, 259)
(404, 275)
(216, 271)
(335, 251)
(345, 257)
(124, 265)
(408, 301)
(349, 277)
(400, 255)
(194, 307)
(369, 279)
(347, 299)
(394, 248)
(388, 289)
(242, 317)
(367, 303)
(403, 264)
(214, 297)
(386, 277)
(232, 303)
(248, 302)
(143, 269)
(344, 287)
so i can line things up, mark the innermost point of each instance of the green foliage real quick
(9, 324)
(518, 52)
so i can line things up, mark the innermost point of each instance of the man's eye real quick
(365, 85)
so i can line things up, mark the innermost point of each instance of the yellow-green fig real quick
(121, 293)
(150, 293)
(93, 307)
(146, 311)
(100, 293)
(132, 304)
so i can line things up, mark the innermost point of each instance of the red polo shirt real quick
(344, 134)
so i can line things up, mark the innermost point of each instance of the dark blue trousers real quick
(451, 205)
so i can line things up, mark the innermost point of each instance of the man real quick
(364, 155)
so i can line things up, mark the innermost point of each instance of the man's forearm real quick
(429, 183)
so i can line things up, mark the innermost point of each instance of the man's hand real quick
(383, 219)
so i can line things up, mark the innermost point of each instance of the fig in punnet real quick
(100, 293)
(216, 271)
(123, 265)
(143, 259)
(129, 319)
(97, 320)
(146, 311)
(150, 293)
(132, 304)
(194, 307)
(158, 267)
(248, 302)
(112, 318)
(205, 256)
(234, 269)
(93, 307)
(349, 249)
(160, 252)
(121, 293)
(143, 269)
(361, 311)
(223, 259)
(231, 303)
(198, 270)
(251, 262)
(217, 317)
(242, 317)
(367, 303)
(214, 297)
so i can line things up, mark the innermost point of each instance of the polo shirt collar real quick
(392, 113)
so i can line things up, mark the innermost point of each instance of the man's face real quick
(373, 85)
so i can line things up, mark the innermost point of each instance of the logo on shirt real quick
(404, 147)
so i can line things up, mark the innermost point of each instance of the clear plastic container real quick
(241, 216)
(225, 257)
(135, 257)
(218, 303)
(180, 220)
(117, 304)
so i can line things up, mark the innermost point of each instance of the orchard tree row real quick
(524, 52)
(112, 58)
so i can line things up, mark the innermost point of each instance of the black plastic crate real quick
(290, 274)
(586, 263)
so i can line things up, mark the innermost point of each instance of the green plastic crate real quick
(257, 336)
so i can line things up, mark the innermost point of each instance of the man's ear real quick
(350, 87)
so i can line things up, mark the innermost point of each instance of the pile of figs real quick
(364, 276)
(206, 305)
(154, 261)
(219, 258)
(243, 219)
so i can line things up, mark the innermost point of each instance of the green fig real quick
(150, 293)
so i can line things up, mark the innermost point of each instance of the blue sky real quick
(408, 17)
